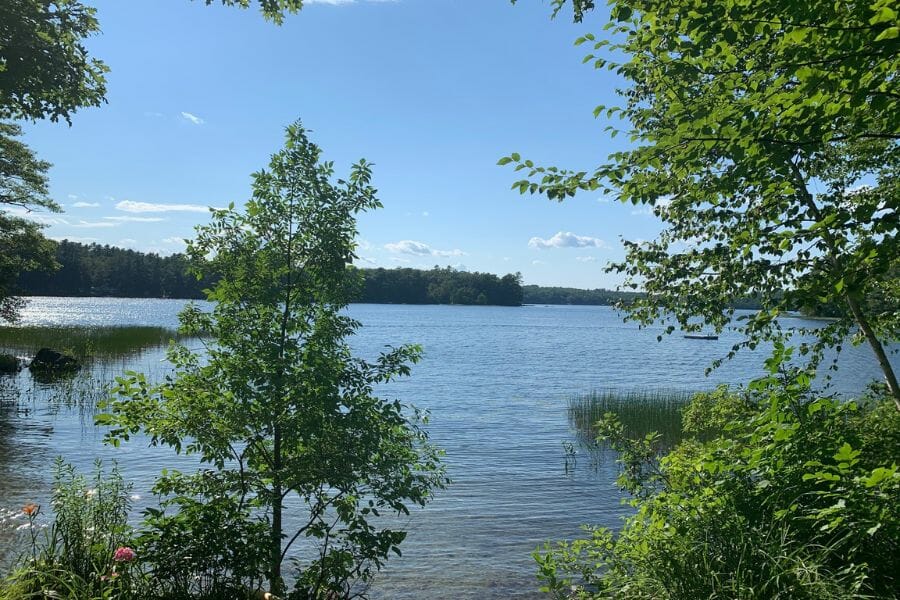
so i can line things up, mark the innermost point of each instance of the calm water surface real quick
(495, 380)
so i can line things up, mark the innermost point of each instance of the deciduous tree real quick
(277, 406)
(765, 136)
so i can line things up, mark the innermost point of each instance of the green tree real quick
(765, 136)
(45, 73)
(23, 186)
(45, 70)
(277, 406)
(791, 498)
(273, 10)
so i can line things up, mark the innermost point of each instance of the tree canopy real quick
(45, 69)
(23, 186)
(273, 10)
(765, 136)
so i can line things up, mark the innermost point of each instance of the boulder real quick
(48, 360)
(9, 364)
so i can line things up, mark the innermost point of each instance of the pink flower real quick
(124, 554)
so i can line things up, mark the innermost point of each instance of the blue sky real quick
(433, 92)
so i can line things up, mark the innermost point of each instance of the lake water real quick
(496, 381)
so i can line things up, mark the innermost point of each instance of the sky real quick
(433, 92)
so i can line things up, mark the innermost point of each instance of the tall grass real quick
(640, 411)
(85, 342)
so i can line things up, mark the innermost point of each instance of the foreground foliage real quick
(84, 552)
(795, 497)
(297, 448)
(765, 137)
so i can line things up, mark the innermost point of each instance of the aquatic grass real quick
(640, 411)
(85, 342)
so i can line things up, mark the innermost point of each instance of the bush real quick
(85, 553)
(794, 498)
(209, 546)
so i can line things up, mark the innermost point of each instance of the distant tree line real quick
(440, 286)
(98, 270)
(534, 294)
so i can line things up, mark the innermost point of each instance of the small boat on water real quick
(700, 336)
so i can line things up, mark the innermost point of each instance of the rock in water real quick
(9, 364)
(48, 360)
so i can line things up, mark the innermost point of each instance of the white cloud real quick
(95, 224)
(86, 205)
(73, 196)
(566, 239)
(420, 249)
(129, 219)
(586, 258)
(425, 213)
(538, 262)
(175, 241)
(127, 242)
(192, 118)
(142, 207)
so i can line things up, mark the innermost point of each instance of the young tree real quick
(766, 139)
(286, 418)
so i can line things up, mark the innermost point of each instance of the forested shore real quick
(95, 270)
(103, 270)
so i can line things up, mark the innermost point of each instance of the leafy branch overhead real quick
(765, 137)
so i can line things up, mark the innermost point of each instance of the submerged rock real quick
(47, 360)
(9, 364)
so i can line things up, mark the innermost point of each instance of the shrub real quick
(796, 498)
(207, 546)
(85, 552)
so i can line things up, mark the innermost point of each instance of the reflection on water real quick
(496, 381)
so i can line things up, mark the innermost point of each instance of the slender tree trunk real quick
(276, 583)
(855, 309)
(877, 347)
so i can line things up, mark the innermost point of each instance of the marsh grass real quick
(640, 411)
(86, 343)
(104, 352)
